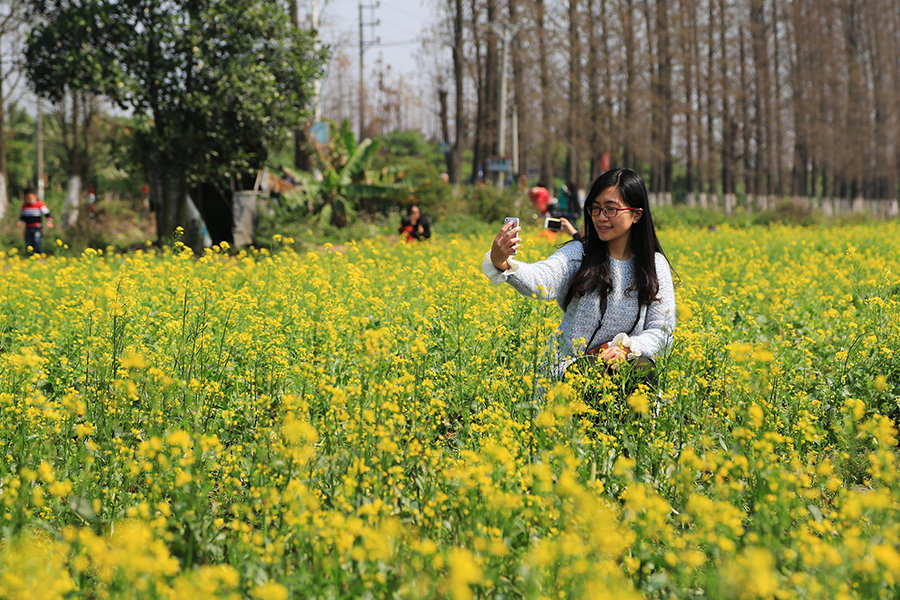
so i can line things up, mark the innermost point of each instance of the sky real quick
(401, 27)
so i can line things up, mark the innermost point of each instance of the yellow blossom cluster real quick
(378, 421)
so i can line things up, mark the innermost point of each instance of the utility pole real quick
(317, 84)
(505, 31)
(363, 44)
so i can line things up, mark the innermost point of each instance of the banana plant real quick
(344, 179)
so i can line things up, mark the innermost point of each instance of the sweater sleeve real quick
(659, 320)
(547, 279)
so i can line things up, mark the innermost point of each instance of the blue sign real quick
(499, 163)
(319, 132)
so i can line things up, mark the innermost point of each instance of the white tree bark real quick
(4, 198)
(70, 206)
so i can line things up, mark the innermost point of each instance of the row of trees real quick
(708, 96)
(755, 96)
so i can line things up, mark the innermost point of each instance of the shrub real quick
(789, 212)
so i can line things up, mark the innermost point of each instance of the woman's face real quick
(613, 230)
(414, 214)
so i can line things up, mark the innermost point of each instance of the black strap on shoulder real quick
(636, 319)
(603, 304)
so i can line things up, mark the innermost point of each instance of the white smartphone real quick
(515, 222)
(552, 224)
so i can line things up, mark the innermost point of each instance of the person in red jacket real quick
(32, 217)
(540, 198)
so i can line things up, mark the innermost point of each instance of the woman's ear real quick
(636, 215)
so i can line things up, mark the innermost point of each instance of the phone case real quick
(515, 221)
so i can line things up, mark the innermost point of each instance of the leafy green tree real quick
(214, 84)
(404, 143)
(20, 151)
(410, 147)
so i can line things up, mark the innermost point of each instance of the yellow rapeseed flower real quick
(639, 402)
(270, 591)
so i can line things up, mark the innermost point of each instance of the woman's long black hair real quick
(594, 273)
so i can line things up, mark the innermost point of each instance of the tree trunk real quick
(853, 120)
(302, 159)
(629, 156)
(661, 98)
(4, 197)
(71, 203)
(573, 161)
(758, 34)
(799, 102)
(688, 51)
(775, 129)
(709, 183)
(164, 191)
(445, 127)
(729, 125)
(481, 147)
(520, 91)
(595, 106)
(546, 92)
(487, 78)
(454, 158)
(746, 128)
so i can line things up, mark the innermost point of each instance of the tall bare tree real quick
(739, 97)
(520, 84)
(729, 123)
(573, 121)
(76, 115)
(688, 45)
(546, 145)
(12, 18)
(661, 98)
(597, 108)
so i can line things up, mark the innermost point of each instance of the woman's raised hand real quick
(566, 226)
(505, 245)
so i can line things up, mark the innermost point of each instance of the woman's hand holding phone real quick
(506, 243)
(566, 226)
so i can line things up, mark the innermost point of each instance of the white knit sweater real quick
(550, 278)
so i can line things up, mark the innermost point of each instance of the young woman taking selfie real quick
(614, 286)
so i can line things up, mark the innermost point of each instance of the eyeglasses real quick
(609, 212)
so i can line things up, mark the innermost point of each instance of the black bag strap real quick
(636, 319)
(603, 305)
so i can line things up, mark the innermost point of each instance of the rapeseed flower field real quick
(373, 421)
